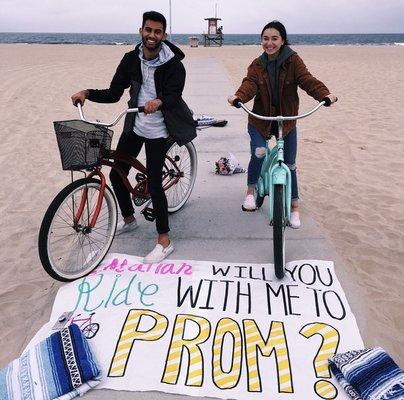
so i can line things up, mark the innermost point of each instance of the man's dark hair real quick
(154, 16)
(279, 27)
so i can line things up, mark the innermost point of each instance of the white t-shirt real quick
(151, 126)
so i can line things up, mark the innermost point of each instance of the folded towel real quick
(206, 121)
(368, 374)
(60, 367)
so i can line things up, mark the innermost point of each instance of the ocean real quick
(229, 39)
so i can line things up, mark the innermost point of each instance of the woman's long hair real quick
(279, 27)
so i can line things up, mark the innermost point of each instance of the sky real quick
(187, 16)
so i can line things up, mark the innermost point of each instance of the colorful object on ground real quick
(205, 121)
(368, 374)
(228, 165)
(61, 366)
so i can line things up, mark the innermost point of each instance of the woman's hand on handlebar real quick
(333, 98)
(79, 97)
(231, 99)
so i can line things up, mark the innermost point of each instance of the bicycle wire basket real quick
(81, 143)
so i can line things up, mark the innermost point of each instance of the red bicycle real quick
(79, 226)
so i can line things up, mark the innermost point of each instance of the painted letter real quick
(227, 379)
(276, 342)
(130, 333)
(177, 346)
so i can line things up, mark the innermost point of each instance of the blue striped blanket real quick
(60, 367)
(368, 374)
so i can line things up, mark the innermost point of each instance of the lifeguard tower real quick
(214, 37)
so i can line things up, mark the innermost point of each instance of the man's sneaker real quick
(295, 219)
(249, 203)
(123, 227)
(158, 254)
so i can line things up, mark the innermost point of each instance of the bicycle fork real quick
(279, 174)
(84, 201)
(276, 172)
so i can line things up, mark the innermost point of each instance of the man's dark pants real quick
(156, 149)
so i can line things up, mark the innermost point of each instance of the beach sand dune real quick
(350, 164)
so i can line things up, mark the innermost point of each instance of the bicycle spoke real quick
(73, 248)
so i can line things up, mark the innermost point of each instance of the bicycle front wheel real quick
(179, 174)
(71, 249)
(279, 232)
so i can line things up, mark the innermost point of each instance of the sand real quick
(350, 162)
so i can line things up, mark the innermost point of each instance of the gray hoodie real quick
(151, 126)
(273, 67)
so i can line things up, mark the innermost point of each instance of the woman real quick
(272, 80)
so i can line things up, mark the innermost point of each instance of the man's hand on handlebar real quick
(79, 97)
(152, 106)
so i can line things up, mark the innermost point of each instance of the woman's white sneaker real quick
(295, 219)
(159, 253)
(249, 203)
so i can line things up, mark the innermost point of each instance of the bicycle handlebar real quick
(238, 104)
(115, 121)
(324, 102)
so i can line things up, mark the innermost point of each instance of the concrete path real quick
(211, 225)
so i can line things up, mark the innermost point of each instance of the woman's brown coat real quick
(293, 74)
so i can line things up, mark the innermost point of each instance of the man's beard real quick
(155, 46)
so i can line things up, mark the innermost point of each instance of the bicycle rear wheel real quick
(89, 331)
(279, 232)
(70, 250)
(179, 174)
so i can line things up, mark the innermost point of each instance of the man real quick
(156, 77)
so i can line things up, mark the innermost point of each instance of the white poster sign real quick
(213, 329)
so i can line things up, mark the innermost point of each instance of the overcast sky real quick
(238, 16)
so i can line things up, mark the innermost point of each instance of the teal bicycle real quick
(275, 182)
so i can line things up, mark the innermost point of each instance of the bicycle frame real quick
(82, 321)
(274, 171)
(134, 190)
(109, 159)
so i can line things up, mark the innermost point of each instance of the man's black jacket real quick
(169, 80)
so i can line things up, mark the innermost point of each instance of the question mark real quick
(329, 346)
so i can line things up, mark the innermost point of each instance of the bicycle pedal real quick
(139, 201)
(148, 214)
(140, 177)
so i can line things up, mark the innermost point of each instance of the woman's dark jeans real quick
(258, 149)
